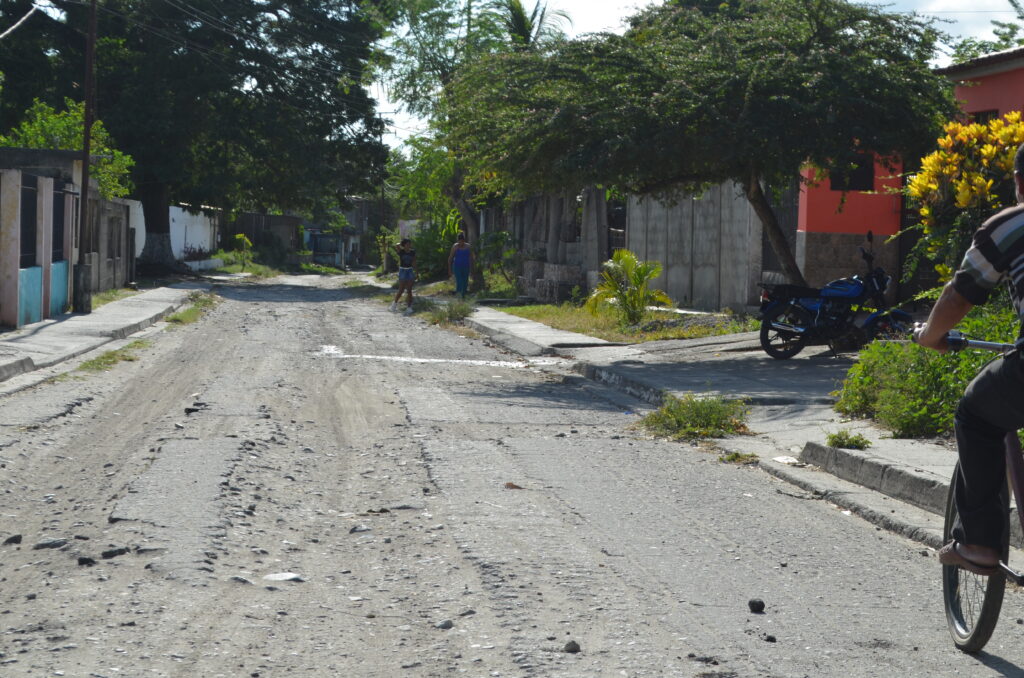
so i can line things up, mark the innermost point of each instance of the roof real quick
(989, 64)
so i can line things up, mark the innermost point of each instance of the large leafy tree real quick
(433, 42)
(234, 104)
(708, 92)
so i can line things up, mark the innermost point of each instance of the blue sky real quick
(961, 19)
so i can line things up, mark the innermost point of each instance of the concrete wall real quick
(709, 246)
(196, 231)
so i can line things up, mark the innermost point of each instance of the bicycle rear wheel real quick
(972, 602)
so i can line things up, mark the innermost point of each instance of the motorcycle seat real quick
(793, 291)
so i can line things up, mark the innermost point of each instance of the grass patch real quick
(200, 304)
(233, 264)
(107, 360)
(320, 269)
(656, 325)
(111, 295)
(691, 417)
(449, 314)
(739, 458)
(847, 439)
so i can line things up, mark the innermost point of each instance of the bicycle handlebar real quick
(958, 342)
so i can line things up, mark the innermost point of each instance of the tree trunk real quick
(156, 210)
(770, 223)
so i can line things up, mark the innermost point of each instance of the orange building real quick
(829, 228)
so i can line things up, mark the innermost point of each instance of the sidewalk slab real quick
(70, 335)
(524, 336)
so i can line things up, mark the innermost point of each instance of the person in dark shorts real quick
(406, 256)
(993, 403)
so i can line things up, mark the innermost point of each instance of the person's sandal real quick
(950, 554)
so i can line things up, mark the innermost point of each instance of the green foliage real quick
(450, 313)
(227, 104)
(914, 391)
(693, 417)
(44, 127)
(1007, 35)
(847, 439)
(200, 304)
(627, 281)
(244, 248)
(433, 242)
(739, 458)
(109, 359)
(497, 253)
(387, 240)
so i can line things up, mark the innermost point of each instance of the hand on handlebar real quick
(920, 336)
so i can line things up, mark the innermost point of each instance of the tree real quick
(235, 105)
(43, 127)
(708, 92)
(967, 179)
(1007, 35)
(436, 39)
(527, 29)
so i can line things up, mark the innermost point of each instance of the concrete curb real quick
(511, 342)
(880, 510)
(904, 483)
(16, 367)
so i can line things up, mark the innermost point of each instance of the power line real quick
(19, 22)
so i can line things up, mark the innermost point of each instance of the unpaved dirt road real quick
(304, 484)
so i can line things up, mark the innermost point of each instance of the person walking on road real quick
(406, 274)
(460, 263)
(992, 405)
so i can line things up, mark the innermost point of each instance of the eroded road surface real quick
(306, 484)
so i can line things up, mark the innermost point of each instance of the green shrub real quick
(446, 314)
(847, 439)
(626, 281)
(914, 391)
(693, 417)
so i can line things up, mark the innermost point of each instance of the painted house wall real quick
(1002, 92)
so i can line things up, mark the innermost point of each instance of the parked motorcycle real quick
(845, 314)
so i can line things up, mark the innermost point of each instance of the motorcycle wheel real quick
(781, 344)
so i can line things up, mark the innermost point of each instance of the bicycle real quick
(973, 601)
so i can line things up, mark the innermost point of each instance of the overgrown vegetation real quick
(914, 391)
(108, 296)
(739, 458)
(654, 326)
(321, 269)
(847, 439)
(200, 304)
(697, 417)
(107, 360)
(626, 283)
(450, 313)
(236, 261)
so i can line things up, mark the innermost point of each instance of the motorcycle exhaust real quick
(786, 327)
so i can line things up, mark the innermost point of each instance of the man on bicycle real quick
(993, 403)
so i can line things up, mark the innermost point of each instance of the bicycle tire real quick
(972, 602)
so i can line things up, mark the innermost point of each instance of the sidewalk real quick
(899, 485)
(70, 335)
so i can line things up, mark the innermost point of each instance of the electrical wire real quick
(18, 23)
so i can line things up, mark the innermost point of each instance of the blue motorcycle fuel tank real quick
(845, 288)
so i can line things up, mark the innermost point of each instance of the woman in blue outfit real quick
(460, 262)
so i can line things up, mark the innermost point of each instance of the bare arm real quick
(947, 312)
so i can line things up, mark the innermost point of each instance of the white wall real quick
(136, 220)
(194, 230)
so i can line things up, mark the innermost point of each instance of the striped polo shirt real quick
(997, 254)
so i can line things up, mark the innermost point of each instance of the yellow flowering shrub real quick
(964, 181)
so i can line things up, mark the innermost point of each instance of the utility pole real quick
(83, 271)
